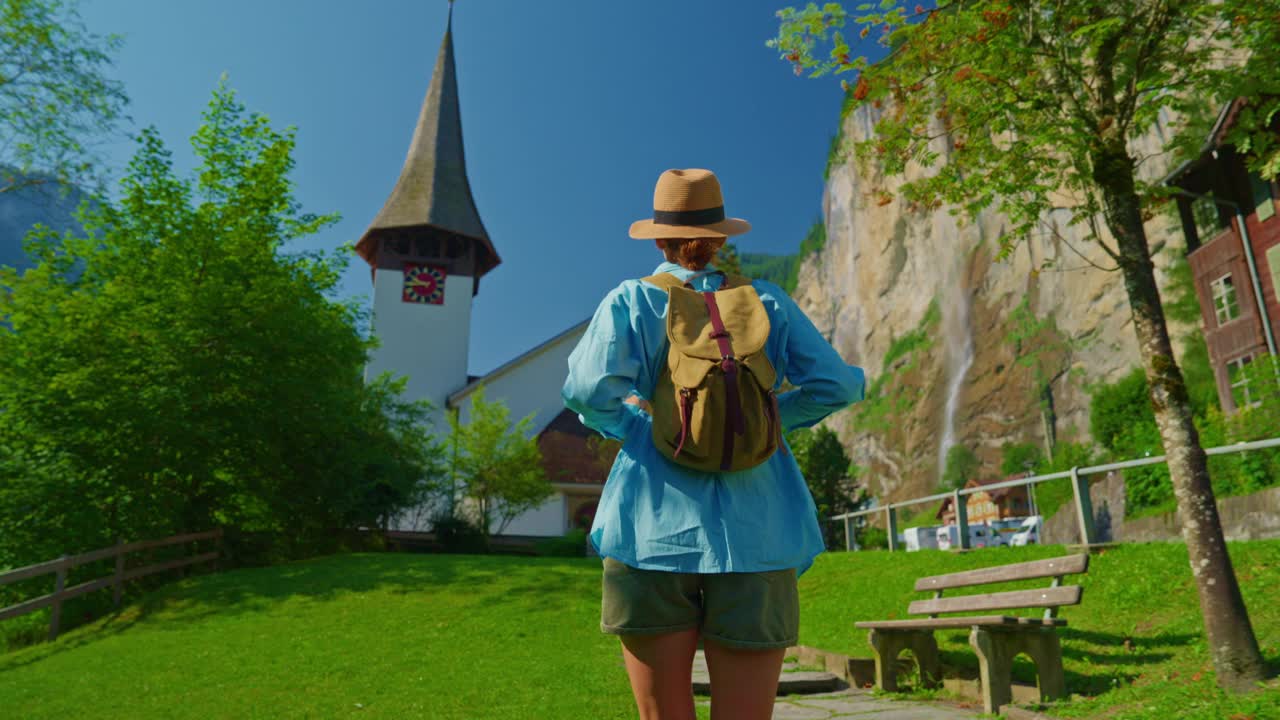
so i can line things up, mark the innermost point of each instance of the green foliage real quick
(55, 94)
(872, 538)
(777, 269)
(962, 465)
(176, 367)
(571, 544)
(917, 338)
(830, 474)
(1019, 457)
(1117, 408)
(458, 534)
(727, 259)
(498, 466)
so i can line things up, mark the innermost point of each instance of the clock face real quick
(424, 284)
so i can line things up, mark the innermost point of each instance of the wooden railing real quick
(116, 580)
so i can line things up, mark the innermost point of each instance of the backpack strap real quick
(666, 281)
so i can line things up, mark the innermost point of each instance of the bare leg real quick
(661, 672)
(744, 683)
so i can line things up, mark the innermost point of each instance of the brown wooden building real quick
(989, 505)
(1232, 269)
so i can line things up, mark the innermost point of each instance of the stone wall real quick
(1246, 517)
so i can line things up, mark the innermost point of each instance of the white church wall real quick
(431, 337)
(530, 384)
(548, 520)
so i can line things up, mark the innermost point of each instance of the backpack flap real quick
(689, 324)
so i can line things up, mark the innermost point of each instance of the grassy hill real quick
(447, 636)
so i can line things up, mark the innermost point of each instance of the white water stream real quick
(959, 356)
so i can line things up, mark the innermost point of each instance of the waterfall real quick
(959, 355)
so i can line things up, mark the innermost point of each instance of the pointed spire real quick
(433, 194)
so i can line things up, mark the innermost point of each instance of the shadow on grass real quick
(480, 579)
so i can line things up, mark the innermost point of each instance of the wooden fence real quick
(60, 567)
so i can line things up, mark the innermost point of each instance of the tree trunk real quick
(1232, 644)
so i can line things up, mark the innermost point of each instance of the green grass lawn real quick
(448, 636)
(1140, 593)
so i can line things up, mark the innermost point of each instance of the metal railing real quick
(1079, 489)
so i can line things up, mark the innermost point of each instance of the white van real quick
(1028, 532)
(981, 535)
(920, 538)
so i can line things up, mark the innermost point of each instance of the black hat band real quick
(709, 216)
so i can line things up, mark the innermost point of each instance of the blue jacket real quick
(658, 515)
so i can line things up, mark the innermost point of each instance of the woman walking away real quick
(705, 521)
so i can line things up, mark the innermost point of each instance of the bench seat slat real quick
(1067, 565)
(960, 622)
(1045, 597)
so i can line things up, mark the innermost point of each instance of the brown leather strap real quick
(737, 421)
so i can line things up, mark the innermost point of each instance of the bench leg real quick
(1046, 650)
(995, 664)
(925, 647)
(889, 645)
(886, 647)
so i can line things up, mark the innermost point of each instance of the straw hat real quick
(688, 204)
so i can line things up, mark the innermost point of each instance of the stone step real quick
(790, 681)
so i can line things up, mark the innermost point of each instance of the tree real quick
(1032, 108)
(1018, 458)
(727, 259)
(830, 475)
(962, 465)
(55, 96)
(192, 371)
(498, 466)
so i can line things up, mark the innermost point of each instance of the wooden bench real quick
(997, 639)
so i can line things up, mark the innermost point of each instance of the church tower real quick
(428, 250)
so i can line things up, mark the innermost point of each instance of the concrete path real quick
(846, 703)
(859, 705)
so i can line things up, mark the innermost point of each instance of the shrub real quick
(571, 544)
(458, 535)
(872, 538)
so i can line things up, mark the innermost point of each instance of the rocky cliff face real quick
(959, 347)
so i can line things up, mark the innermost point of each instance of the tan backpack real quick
(714, 408)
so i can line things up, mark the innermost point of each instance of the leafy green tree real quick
(962, 465)
(727, 259)
(830, 475)
(55, 95)
(498, 466)
(1017, 458)
(1032, 108)
(191, 371)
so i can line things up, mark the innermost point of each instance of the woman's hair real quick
(691, 253)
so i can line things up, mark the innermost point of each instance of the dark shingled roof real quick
(433, 191)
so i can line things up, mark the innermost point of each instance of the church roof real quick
(455, 399)
(433, 191)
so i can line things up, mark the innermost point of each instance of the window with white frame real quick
(1239, 381)
(1225, 305)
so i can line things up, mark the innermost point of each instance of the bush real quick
(571, 544)
(459, 535)
(872, 538)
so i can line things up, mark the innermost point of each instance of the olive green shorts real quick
(759, 610)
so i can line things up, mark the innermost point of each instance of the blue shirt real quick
(657, 515)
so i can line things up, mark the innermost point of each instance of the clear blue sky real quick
(570, 111)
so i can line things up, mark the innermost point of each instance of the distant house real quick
(1233, 247)
(989, 505)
